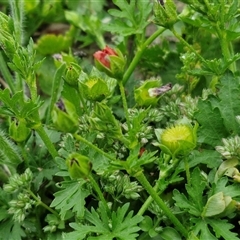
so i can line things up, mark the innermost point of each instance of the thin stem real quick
(81, 139)
(139, 53)
(124, 101)
(49, 145)
(142, 179)
(149, 200)
(187, 170)
(99, 192)
(6, 73)
(162, 176)
(188, 46)
(39, 202)
(219, 26)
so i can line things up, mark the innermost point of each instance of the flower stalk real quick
(99, 193)
(124, 101)
(139, 53)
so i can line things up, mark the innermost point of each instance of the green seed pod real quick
(79, 166)
(18, 130)
(72, 74)
(165, 15)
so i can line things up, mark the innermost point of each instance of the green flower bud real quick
(111, 61)
(18, 130)
(64, 116)
(150, 92)
(79, 166)
(96, 85)
(72, 74)
(95, 89)
(165, 14)
(178, 140)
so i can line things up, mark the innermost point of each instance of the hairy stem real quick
(162, 176)
(179, 37)
(81, 139)
(144, 182)
(33, 88)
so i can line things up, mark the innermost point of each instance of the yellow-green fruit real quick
(180, 139)
(79, 166)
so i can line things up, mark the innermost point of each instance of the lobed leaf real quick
(71, 197)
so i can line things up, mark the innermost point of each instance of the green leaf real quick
(72, 197)
(209, 157)
(195, 188)
(169, 233)
(212, 128)
(201, 229)
(122, 227)
(222, 228)
(10, 230)
(194, 203)
(103, 120)
(228, 105)
(56, 88)
(133, 17)
(50, 44)
(228, 190)
(183, 203)
(146, 224)
(17, 106)
(217, 115)
(134, 161)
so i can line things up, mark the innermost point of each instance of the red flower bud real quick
(111, 61)
(103, 56)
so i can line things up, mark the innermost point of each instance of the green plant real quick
(145, 145)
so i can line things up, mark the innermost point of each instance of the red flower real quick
(103, 56)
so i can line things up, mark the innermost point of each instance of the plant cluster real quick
(119, 120)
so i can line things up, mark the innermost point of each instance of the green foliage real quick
(82, 151)
(128, 20)
(194, 204)
(65, 200)
(215, 205)
(217, 115)
(222, 229)
(121, 225)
